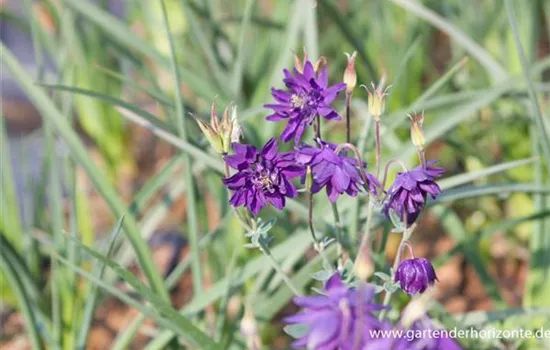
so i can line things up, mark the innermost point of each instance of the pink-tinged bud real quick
(350, 76)
(417, 131)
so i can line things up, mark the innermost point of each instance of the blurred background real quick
(81, 78)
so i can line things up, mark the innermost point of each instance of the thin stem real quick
(377, 141)
(422, 157)
(318, 127)
(348, 119)
(339, 232)
(265, 249)
(404, 242)
(310, 217)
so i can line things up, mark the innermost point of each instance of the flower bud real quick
(417, 132)
(416, 309)
(364, 266)
(219, 133)
(249, 329)
(377, 98)
(350, 76)
(415, 275)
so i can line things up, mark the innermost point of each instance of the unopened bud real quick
(219, 133)
(364, 266)
(377, 98)
(417, 131)
(350, 76)
(249, 329)
(319, 64)
(299, 63)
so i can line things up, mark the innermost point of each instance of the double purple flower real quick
(308, 96)
(337, 172)
(407, 195)
(337, 319)
(262, 177)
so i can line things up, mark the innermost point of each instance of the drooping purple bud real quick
(415, 275)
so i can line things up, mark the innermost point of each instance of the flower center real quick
(298, 101)
(265, 180)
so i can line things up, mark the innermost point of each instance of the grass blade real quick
(192, 217)
(24, 302)
(539, 121)
(93, 295)
(464, 178)
(476, 51)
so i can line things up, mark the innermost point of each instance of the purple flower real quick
(337, 172)
(333, 319)
(261, 178)
(308, 95)
(415, 275)
(409, 191)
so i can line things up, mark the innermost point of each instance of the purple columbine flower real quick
(262, 177)
(407, 195)
(308, 96)
(415, 275)
(333, 318)
(337, 172)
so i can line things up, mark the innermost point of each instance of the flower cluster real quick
(342, 317)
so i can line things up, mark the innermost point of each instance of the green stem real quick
(339, 232)
(265, 249)
(406, 236)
